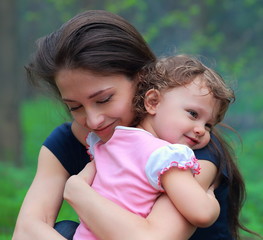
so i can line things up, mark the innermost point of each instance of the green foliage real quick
(13, 185)
(38, 117)
(250, 159)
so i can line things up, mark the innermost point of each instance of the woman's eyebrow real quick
(67, 100)
(98, 93)
(90, 96)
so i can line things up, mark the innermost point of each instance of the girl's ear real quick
(151, 100)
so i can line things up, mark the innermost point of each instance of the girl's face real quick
(97, 102)
(185, 115)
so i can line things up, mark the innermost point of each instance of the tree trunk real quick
(10, 138)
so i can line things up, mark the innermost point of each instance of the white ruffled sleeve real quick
(91, 140)
(164, 158)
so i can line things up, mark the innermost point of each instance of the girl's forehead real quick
(198, 85)
(200, 82)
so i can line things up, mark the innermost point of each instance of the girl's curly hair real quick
(180, 70)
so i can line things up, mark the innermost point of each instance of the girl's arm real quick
(198, 206)
(43, 200)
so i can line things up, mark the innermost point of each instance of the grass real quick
(14, 182)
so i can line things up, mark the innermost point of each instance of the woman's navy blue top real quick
(73, 156)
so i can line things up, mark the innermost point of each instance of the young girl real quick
(178, 100)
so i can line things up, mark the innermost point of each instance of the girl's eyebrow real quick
(204, 111)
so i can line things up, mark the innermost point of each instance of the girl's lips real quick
(192, 141)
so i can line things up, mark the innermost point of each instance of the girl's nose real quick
(199, 130)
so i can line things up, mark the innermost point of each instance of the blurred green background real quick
(227, 34)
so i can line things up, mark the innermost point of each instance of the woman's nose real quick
(94, 120)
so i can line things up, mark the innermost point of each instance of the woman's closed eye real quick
(105, 100)
(72, 109)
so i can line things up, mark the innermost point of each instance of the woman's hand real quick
(210, 191)
(88, 172)
(73, 188)
(76, 183)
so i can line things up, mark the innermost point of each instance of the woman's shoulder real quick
(214, 153)
(209, 152)
(60, 133)
(67, 148)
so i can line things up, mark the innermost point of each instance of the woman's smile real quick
(106, 132)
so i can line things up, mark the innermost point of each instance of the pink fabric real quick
(121, 173)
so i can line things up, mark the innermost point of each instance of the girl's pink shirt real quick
(122, 176)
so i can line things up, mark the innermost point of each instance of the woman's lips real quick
(105, 131)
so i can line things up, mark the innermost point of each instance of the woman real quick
(102, 46)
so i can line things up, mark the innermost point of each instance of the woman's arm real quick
(43, 200)
(109, 221)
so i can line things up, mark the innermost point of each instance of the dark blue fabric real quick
(220, 229)
(73, 156)
(68, 150)
(210, 154)
(66, 228)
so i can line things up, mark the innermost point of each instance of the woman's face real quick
(97, 102)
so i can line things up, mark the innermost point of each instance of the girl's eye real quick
(193, 113)
(105, 100)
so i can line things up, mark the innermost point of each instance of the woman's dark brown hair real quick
(94, 40)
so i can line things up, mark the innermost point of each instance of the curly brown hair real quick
(180, 70)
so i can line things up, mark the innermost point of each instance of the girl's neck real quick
(147, 126)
